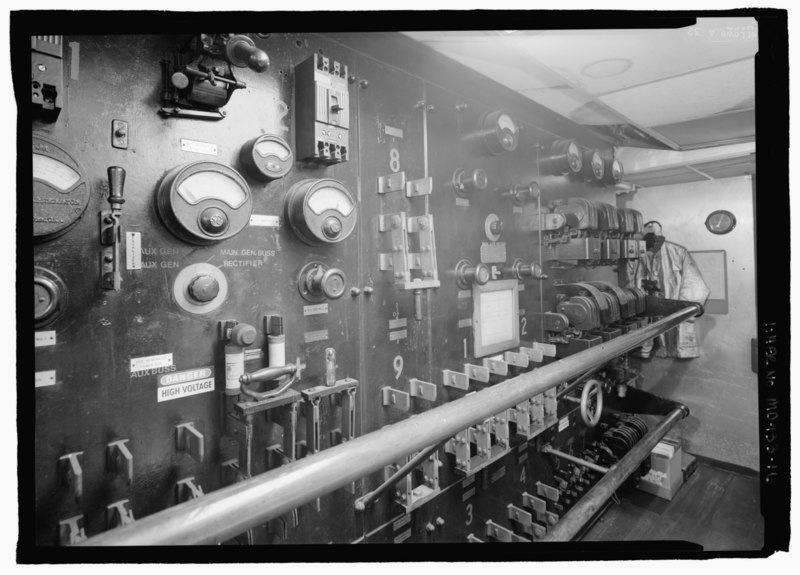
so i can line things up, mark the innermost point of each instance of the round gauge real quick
(613, 171)
(500, 132)
(720, 222)
(320, 211)
(266, 158)
(204, 202)
(60, 189)
(593, 166)
(565, 157)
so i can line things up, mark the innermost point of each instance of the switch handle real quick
(116, 186)
(242, 52)
(268, 374)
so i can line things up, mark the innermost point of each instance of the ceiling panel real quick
(686, 97)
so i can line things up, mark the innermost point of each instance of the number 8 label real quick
(394, 160)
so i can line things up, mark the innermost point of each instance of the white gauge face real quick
(211, 185)
(574, 157)
(272, 148)
(506, 122)
(616, 170)
(325, 199)
(597, 165)
(55, 173)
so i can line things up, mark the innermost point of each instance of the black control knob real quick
(242, 51)
(464, 182)
(468, 274)
(203, 288)
(214, 221)
(116, 186)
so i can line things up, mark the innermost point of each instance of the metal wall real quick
(96, 398)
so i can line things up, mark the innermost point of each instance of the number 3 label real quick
(469, 514)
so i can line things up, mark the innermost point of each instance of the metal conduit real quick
(227, 512)
(569, 525)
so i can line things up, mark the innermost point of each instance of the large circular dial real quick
(593, 166)
(204, 202)
(60, 189)
(720, 222)
(502, 132)
(565, 158)
(321, 211)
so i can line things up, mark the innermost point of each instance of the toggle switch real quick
(72, 474)
(190, 440)
(119, 460)
(467, 274)
(187, 489)
(119, 513)
(110, 226)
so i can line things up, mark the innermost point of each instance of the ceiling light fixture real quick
(607, 68)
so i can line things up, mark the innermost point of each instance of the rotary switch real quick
(317, 282)
(464, 182)
(468, 274)
(49, 296)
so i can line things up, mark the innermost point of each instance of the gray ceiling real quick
(685, 88)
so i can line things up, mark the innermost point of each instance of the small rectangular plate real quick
(516, 359)
(133, 250)
(421, 187)
(395, 398)
(477, 372)
(392, 183)
(198, 147)
(44, 338)
(422, 389)
(455, 379)
(496, 366)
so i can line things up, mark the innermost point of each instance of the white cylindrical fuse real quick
(234, 368)
(276, 350)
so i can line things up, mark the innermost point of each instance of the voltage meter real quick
(204, 202)
(497, 132)
(565, 158)
(60, 189)
(614, 171)
(594, 168)
(266, 158)
(320, 211)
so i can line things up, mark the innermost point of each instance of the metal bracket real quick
(551, 493)
(496, 366)
(472, 539)
(516, 359)
(313, 396)
(119, 134)
(391, 183)
(500, 533)
(422, 389)
(422, 187)
(534, 354)
(119, 459)
(190, 440)
(119, 513)
(477, 372)
(547, 349)
(455, 379)
(391, 397)
(186, 489)
(72, 474)
(70, 531)
(194, 114)
(520, 516)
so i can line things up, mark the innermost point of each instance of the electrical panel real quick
(221, 292)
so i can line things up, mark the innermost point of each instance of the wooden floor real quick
(715, 508)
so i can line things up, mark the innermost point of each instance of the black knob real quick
(214, 221)
(204, 288)
(317, 281)
(116, 185)
(242, 52)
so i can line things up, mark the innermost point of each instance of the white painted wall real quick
(719, 387)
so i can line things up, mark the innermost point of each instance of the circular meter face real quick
(204, 202)
(266, 158)
(597, 165)
(613, 171)
(502, 132)
(574, 157)
(321, 211)
(60, 189)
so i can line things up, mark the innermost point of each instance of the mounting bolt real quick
(363, 84)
